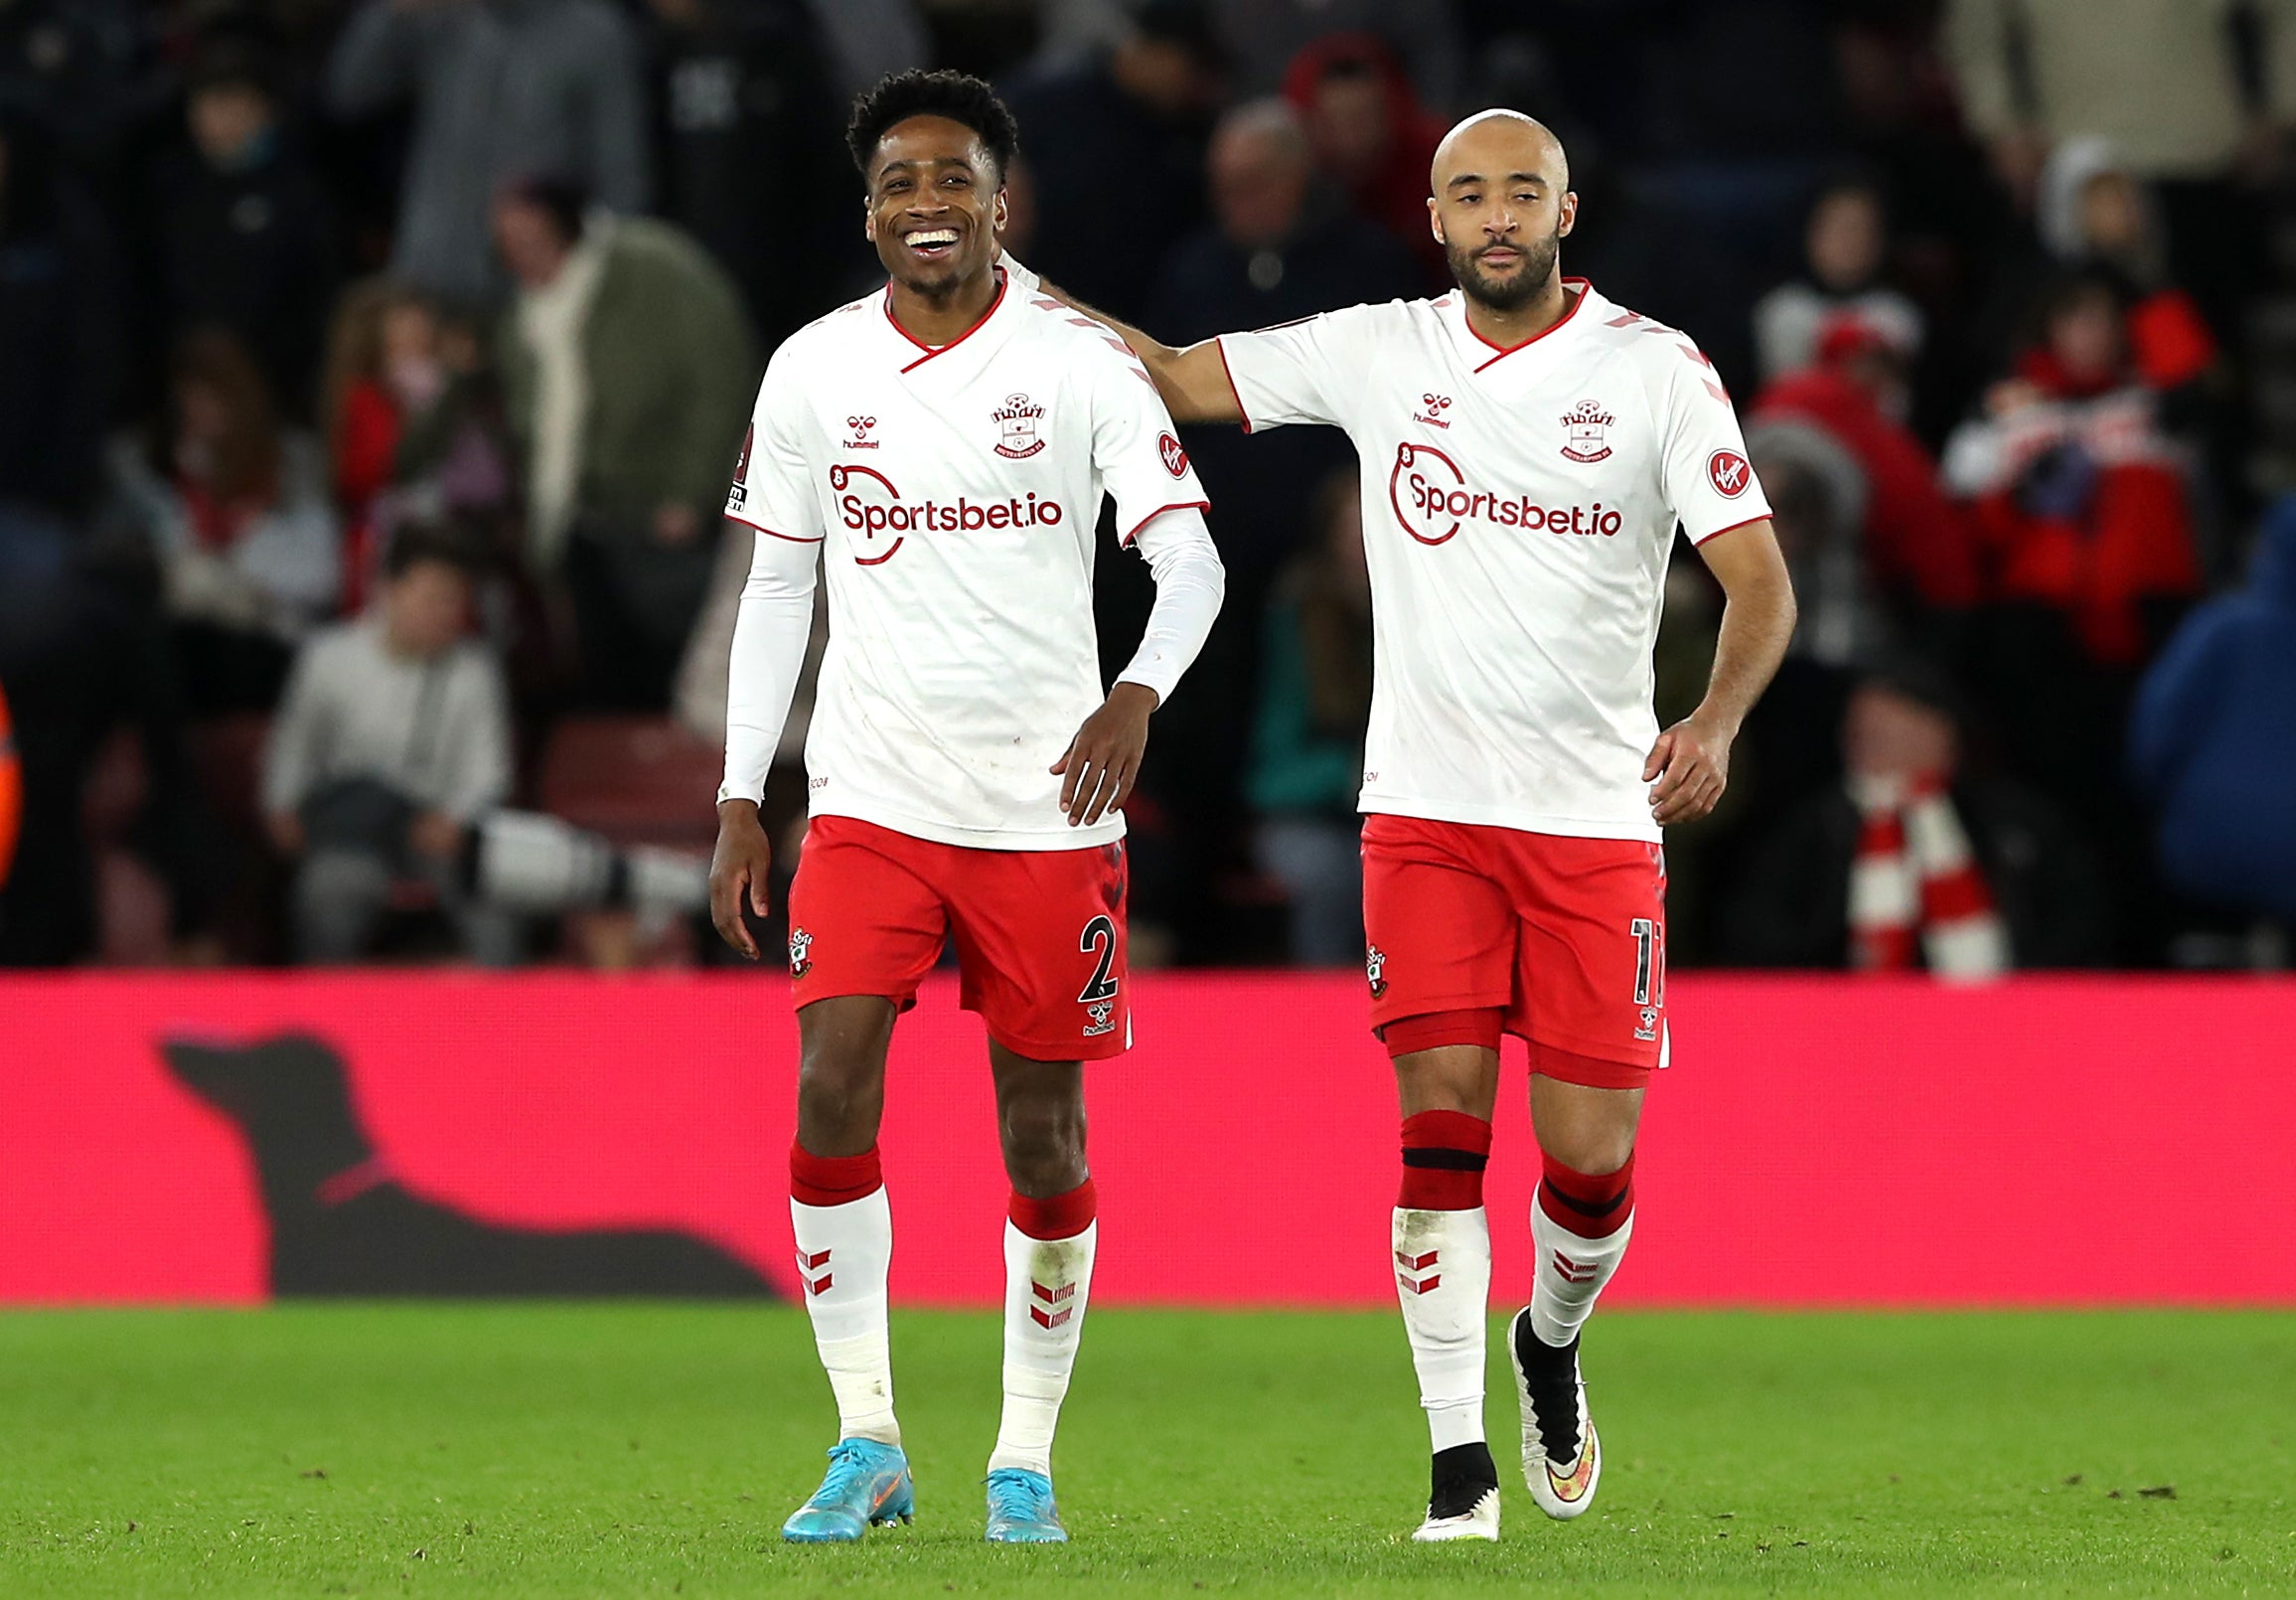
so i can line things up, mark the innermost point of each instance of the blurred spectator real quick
(1307, 757)
(1845, 246)
(2166, 81)
(1264, 39)
(868, 39)
(233, 507)
(242, 230)
(2081, 499)
(2212, 741)
(54, 320)
(2098, 217)
(1370, 135)
(1912, 861)
(627, 367)
(73, 67)
(1918, 549)
(413, 425)
(393, 738)
(1140, 109)
(502, 89)
(743, 88)
(11, 793)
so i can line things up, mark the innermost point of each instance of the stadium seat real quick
(638, 781)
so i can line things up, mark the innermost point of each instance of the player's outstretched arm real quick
(1193, 382)
(1689, 766)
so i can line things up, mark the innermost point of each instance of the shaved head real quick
(1493, 144)
(1501, 204)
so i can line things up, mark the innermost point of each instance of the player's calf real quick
(1440, 1242)
(1580, 1226)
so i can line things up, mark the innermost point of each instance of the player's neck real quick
(938, 320)
(1520, 324)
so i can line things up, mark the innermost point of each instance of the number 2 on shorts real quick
(1098, 936)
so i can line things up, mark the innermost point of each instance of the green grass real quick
(653, 1450)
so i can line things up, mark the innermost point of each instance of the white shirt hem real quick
(1062, 837)
(1474, 814)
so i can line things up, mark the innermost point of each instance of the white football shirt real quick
(1519, 509)
(955, 492)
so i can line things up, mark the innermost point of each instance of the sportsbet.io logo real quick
(869, 505)
(1433, 500)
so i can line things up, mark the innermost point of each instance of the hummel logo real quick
(1413, 1264)
(808, 1265)
(1045, 1315)
(1575, 1271)
(1436, 406)
(861, 427)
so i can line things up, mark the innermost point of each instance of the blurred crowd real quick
(371, 372)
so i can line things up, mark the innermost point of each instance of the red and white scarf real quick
(1914, 886)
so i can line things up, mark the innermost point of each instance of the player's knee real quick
(1044, 1138)
(1445, 1060)
(837, 1102)
(1594, 1145)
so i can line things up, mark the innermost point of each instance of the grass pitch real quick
(472, 1451)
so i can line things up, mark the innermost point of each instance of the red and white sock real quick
(844, 1245)
(1580, 1225)
(1048, 1251)
(1441, 1241)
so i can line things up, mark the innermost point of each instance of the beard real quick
(1510, 293)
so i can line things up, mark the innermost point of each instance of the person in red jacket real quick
(1371, 135)
(1918, 545)
(2081, 498)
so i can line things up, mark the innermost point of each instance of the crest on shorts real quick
(800, 952)
(1587, 432)
(1375, 969)
(1018, 420)
(1103, 1014)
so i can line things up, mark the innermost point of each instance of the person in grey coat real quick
(502, 88)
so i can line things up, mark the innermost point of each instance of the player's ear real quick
(1435, 220)
(1570, 217)
(1000, 210)
(868, 220)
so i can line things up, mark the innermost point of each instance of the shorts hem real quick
(1074, 1050)
(1384, 1013)
(1604, 1054)
(902, 1000)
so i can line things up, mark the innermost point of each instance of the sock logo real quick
(1576, 1271)
(1375, 969)
(808, 1265)
(1050, 1307)
(1412, 1265)
(800, 952)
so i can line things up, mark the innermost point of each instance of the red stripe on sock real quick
(1057, 1216)
(1590, 1205)
(1444, 1189)
(832, 1180)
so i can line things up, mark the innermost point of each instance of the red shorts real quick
(1040, 933)
(1567, 936)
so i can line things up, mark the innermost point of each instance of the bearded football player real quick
(1529, 449)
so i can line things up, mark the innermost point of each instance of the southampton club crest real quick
(800, 952)
(1587, 432)
(1018, 421)
(1375, 969)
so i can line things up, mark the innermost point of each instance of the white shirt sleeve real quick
(770, 634)
(772, 491)
(1297, 372)
(1136, 451)
(1190, 583)
(1708, 481)
(772, 495)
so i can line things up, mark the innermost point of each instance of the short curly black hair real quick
(958, 96)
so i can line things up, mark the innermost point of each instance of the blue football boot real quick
(867, 1485)
(1021, 1508)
